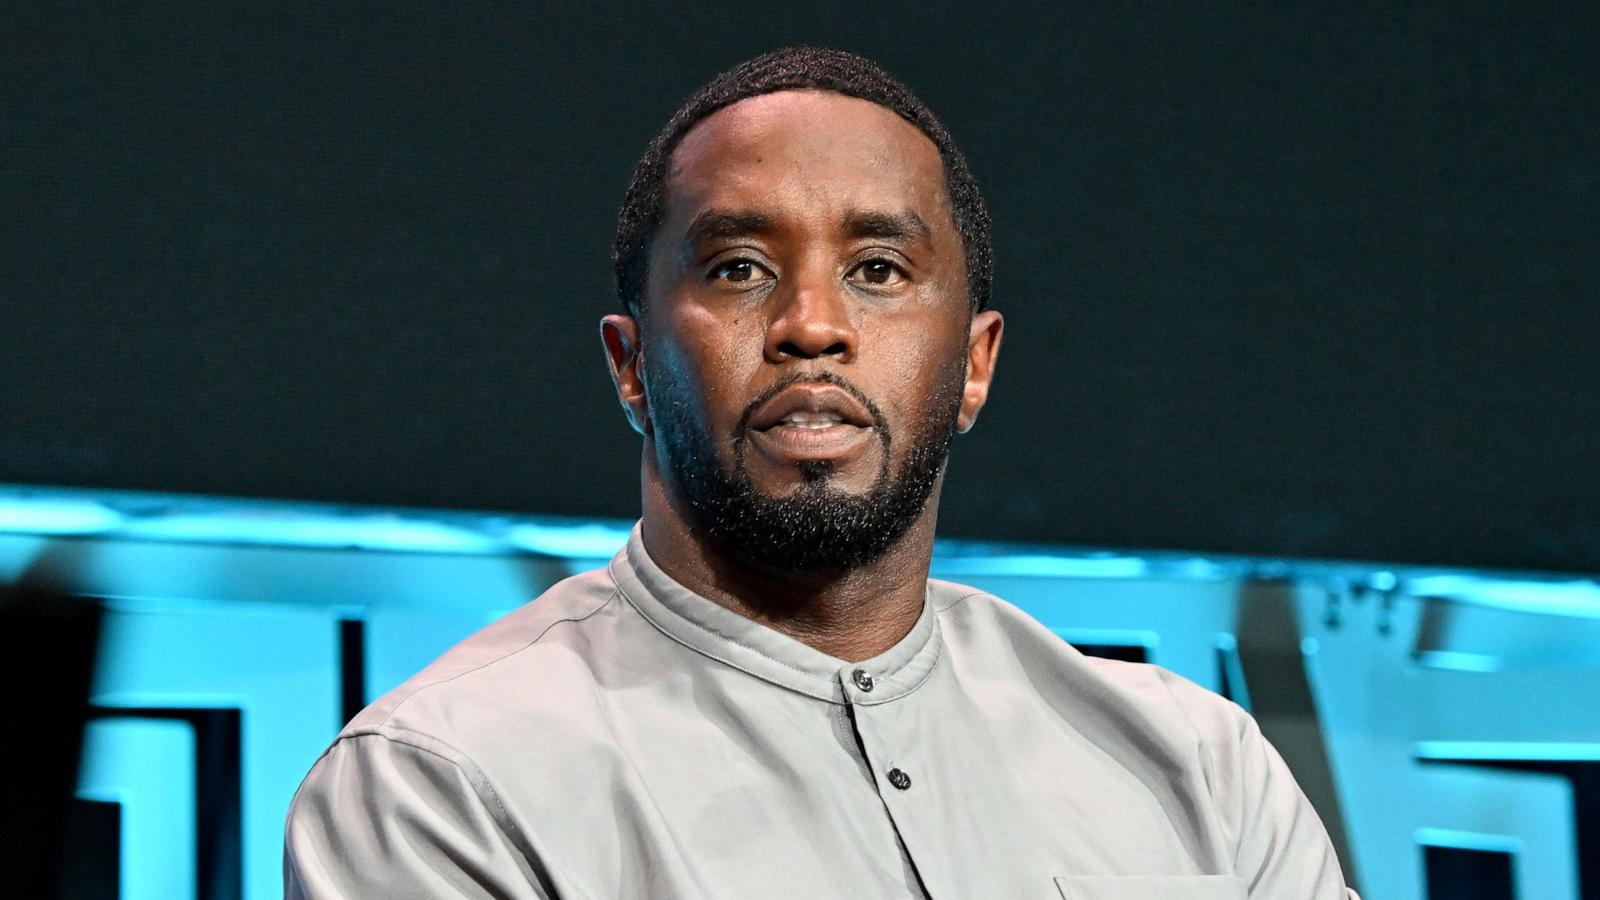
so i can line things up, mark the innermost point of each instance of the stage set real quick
(301, 383)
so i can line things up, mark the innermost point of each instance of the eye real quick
(739, 271)
(878, 271)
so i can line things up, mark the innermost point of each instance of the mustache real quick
(879, 423)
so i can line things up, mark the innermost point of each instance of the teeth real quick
(811, 420)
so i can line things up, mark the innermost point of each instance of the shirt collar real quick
(745, 644)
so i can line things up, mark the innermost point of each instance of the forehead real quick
(806, 151)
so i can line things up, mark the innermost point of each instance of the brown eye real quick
(738, 271)
(878, 271)
(741, 270)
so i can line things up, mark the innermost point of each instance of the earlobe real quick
(983, 350)
(625, 354)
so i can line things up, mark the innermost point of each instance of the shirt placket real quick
(891, 760)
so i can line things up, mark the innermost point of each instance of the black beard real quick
(817, 528)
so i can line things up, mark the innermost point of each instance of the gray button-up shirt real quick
(623, 737)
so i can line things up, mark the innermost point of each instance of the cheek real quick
(710, 360)
(914, 371)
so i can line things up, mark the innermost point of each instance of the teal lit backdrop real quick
(1441, 720)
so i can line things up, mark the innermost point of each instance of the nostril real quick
(791, 349)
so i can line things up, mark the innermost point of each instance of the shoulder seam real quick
(972, 592)
(418, 741)
(384, 722)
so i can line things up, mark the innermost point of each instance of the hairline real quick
(669, 167)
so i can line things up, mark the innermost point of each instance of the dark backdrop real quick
(1317, 283)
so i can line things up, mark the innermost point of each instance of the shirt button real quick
(899, 779)
(862, 679)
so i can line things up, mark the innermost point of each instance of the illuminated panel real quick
(1388, 714)
(147, 766)
(370, 531)
(1577, 599)
(577, 540)
(1460, 660)
(57, 516)
(240, 608)
(278, 666)
(1508, 751)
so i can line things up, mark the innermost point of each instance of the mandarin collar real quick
(729, 638)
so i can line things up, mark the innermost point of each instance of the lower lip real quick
(786, 443)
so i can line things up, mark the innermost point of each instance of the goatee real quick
(817, 527)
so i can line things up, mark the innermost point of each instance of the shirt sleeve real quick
(394, 817)
(1283, 848)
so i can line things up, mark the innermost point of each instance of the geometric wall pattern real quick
(1451, 745)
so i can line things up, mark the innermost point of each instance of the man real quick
(764, 695)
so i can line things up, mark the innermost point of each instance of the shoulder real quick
(1172, 733)
(986, 630)
(537, 652)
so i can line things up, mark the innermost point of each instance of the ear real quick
(620, 335)
(983, 349)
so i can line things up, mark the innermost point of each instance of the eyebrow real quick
(903, 227)
(713, 224)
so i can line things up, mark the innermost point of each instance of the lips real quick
(811, 422)
(811, 406)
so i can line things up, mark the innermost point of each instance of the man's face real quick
(805, 338)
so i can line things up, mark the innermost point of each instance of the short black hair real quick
(795, 68)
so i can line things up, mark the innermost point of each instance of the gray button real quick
(862, 679)
(899, 779)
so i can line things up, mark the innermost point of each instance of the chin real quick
(816, 479)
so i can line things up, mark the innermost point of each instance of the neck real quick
(852, 615)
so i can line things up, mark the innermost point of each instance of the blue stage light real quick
(569, 541)
(1509, 751)
(51, 515)
(1560, 598)
(298, 529)
(1458, 660)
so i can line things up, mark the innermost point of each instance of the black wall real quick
(1318, 283)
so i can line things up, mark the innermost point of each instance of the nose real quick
(812, 321)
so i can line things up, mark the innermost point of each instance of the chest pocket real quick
(1152, 887)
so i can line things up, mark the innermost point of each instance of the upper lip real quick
(814, 398)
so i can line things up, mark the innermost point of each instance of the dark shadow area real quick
(1124, 652)
(1272, 662)
(352, 668)
(1455, 873)
(94, 832)
(48, 642)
